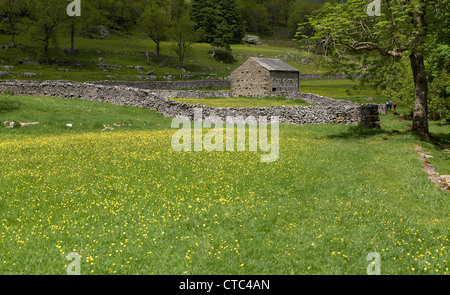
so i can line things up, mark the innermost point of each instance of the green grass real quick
(54, 114)
(341, 89)
(128, 204)
(244, 102)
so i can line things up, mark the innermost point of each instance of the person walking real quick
(394, 105)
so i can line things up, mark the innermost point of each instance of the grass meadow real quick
(129, 204)
(342, 89)
(244, 102)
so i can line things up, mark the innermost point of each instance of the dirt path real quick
(433, 175)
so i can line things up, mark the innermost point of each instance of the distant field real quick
(128, 204)
(341, 89)
(121, 55)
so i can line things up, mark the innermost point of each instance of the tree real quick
(183, 34)
(438, 68)
(255, 17)
(274, 8)
(12, 11)
(46, 18)
(155, 23)
(231, 14)
(176, 9)
(123, 13)
(92, 15)
(217, 22)
(357, 42)
(300, 12)
(286, 10)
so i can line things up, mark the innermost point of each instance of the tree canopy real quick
(218, 23)
(376, 46)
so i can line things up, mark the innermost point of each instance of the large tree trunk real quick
(420, 113)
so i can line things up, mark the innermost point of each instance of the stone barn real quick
(261, 77)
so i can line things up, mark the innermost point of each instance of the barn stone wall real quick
(284, 83)
(251, 80)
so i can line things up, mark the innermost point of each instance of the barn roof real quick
(273, 64)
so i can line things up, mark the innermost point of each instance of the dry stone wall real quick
(324, 110)
(169, 84)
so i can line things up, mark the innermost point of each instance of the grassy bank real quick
(244, 102)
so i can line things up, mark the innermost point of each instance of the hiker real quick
(394, 105)
(387, 105)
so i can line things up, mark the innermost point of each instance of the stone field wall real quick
(169, 84)
(324, 110)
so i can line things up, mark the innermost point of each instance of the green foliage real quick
(183, 35)
(46, 19)
(155, 23)
(92, 15)
(439, 74)
(389, 50)
(12, 12)
(393, 79)
(217, 22)
(123, 13)
(255, 17)
(438, 63)
(300, 13)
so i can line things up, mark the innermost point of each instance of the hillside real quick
(120, 58)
